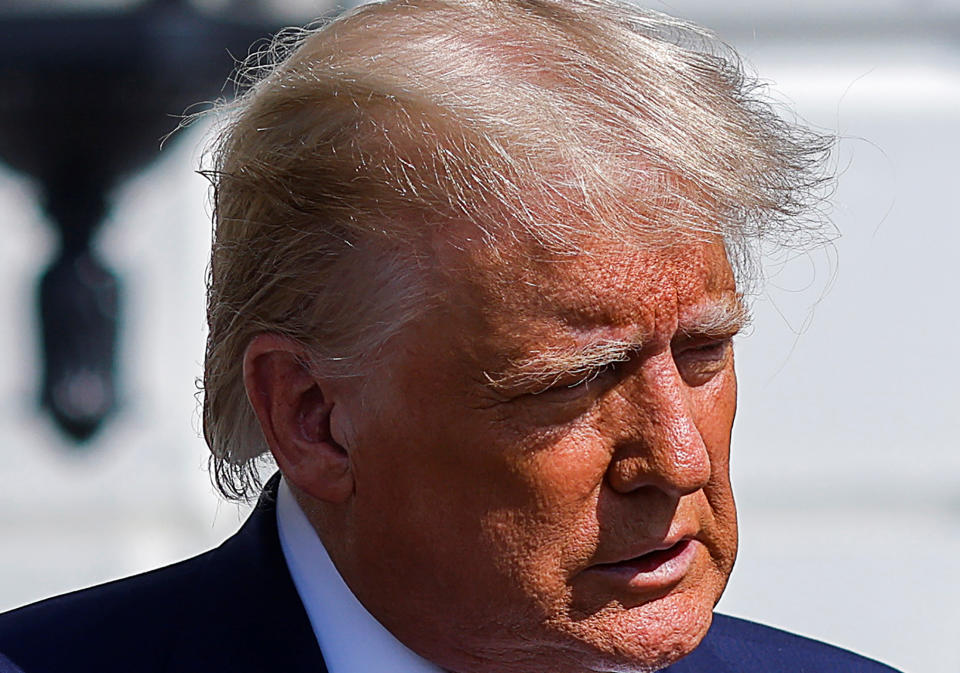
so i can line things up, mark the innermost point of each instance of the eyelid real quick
(688, 340)
(700, 363)
(704, 345)
(589, 375)
(581, 382)
(713, 343)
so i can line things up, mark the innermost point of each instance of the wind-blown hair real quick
(354, 142)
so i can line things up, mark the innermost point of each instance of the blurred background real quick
(846, 461)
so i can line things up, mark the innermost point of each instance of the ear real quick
(294, 415)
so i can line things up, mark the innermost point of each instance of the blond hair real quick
(522, 117)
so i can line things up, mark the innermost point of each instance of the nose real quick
(658, 444)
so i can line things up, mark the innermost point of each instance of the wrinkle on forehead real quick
(510, 273)
(606, 280)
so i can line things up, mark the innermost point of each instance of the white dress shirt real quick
(351, 640)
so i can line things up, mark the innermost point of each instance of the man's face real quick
(541, 465)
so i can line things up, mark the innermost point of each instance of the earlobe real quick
(294, 414)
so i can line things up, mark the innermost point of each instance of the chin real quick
(641, 639)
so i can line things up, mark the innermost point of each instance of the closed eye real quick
(699, 363)
(584, 380)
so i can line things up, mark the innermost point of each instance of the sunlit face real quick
(542, 464)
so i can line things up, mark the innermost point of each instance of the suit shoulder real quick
(751, 646)
(128, 617)
(178, 618)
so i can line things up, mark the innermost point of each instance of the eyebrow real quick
(543, 368)
(722, 317)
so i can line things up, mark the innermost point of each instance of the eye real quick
(586, 379)
(699, 363)
(577, 385)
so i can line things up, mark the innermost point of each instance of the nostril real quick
(628, 474)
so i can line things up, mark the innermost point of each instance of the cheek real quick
(549, 529)
(714, 407)
(718, 411)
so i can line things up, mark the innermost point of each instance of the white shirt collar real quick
(350, 638)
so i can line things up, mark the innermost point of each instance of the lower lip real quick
(655, 571)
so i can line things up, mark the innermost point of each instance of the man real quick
(476, 273)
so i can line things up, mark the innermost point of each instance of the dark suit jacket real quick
(235, 609)
(7, 666)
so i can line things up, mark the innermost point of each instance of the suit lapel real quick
(7, 666)
(253, 621)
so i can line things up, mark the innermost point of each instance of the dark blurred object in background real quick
(86, 98)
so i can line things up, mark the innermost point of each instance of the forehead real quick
(610, 284)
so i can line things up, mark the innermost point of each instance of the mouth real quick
(654, 571)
